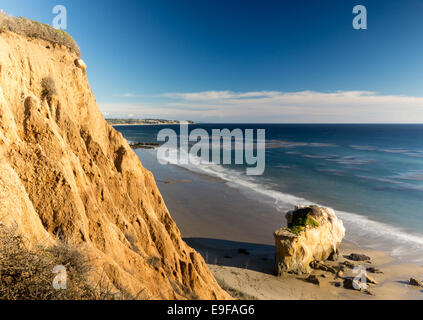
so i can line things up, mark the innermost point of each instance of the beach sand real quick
(251, 275)
(218, 221)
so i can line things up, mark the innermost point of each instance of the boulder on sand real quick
(313, 279)
(313, 234)
(415, 282)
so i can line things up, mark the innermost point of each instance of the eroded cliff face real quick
(64, 171)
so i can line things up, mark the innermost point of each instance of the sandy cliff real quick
(65, 171)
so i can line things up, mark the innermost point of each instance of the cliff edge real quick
(66, 172)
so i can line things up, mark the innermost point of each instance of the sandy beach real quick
(234, 234)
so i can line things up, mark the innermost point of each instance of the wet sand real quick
(203, 206)
(218, 220)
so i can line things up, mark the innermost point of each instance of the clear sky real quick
(248, 61)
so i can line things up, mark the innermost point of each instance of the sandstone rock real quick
(334, 256)
(30, 103)
(314, 233)
(317, 265)
(64, 170)
(370, 280)
(80, 64)
(359, 283)
(415, 282)
(358, 257)
(348, 264)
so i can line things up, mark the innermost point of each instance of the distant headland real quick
(124, 122)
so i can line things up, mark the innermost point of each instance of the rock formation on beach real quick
(65, 171)
(313, 235)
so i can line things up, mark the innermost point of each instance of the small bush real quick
(301, 219)
(34, 29)
(27, 274)
(49, 87)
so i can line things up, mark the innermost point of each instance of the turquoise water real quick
(372, 175)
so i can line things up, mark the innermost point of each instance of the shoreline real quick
(217, 220)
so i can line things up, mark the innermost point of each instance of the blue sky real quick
(243, 61)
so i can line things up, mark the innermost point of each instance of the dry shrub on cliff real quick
(49, 87)
(34, 29)
(27, 274)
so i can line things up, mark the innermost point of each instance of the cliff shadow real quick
(252, 256)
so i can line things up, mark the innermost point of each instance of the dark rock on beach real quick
(358, 257)
(348, 265)
(317, 265)
(313, 279)
(374, 270)
(359, 284)
(352, 284)
(415, 282)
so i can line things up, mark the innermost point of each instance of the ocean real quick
(370, 174)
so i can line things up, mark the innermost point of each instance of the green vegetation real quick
(300, 219)
(295, 229)
(37, 30)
